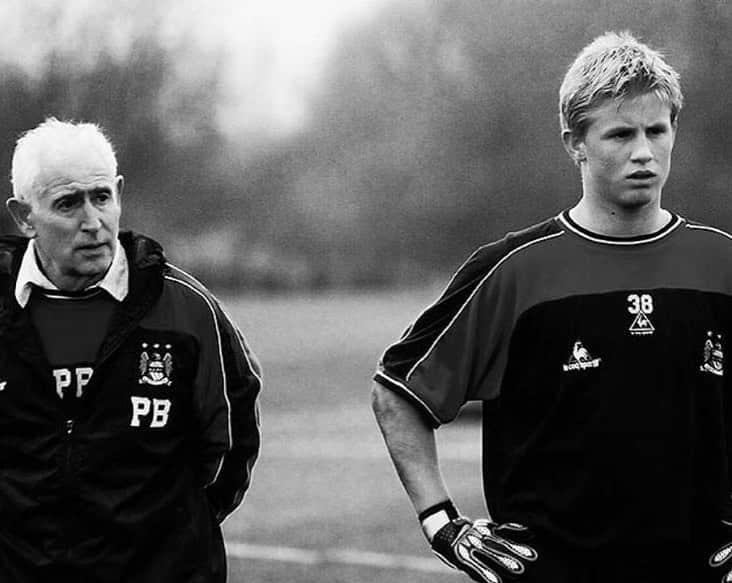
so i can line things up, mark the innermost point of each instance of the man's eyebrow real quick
(618, 126)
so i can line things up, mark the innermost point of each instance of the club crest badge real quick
(580, 358)
(713, 357)
(156, 365)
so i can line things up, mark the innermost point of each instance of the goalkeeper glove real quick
(723, 556)
(486, 551)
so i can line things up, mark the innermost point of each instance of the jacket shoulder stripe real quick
(218, 346)
(490, 273)
(239, 335)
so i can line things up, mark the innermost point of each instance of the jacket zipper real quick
(69, 436)
(67, 471)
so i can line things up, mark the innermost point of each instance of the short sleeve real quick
(440, 360)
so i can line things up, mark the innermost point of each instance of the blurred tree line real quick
(435, 130)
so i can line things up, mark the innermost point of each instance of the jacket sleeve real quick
(228, 381)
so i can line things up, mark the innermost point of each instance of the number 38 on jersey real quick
(640, 303)
(640, 306)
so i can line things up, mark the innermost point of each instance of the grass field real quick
(325, 504)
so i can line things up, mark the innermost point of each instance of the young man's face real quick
(626, 152)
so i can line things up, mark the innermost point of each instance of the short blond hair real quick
(615, 66)
(55, 136)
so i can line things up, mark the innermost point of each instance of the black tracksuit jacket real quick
(160, 449)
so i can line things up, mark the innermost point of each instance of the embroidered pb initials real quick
(158, 410)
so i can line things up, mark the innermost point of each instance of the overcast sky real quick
(275, 49)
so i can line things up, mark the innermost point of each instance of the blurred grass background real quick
(324, 480)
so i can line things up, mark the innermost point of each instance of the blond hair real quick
(615, 66)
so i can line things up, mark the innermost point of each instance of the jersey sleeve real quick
(440, 361)
(228, 382)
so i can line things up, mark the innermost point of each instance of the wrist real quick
(437, 516)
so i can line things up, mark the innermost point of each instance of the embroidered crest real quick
(580, 358)
(713, 357)
(155, 366)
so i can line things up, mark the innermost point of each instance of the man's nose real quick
(91, 217)
(642, 150)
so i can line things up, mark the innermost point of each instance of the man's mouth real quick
(641, 175)
(91, 247)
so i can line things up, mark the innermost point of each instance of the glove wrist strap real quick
(437, 516)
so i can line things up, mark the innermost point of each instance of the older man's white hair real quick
(56, 139)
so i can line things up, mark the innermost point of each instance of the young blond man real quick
(596, 342)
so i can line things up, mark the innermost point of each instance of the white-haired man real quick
(128, 399)
(608, 466)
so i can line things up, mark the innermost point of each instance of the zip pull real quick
(69, 426)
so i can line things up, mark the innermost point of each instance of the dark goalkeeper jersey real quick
(601, 364)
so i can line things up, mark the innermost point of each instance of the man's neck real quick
(66, 282)
(620, 222)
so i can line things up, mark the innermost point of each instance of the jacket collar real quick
(146, 263)
(115, 281)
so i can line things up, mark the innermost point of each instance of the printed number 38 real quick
(640, 303)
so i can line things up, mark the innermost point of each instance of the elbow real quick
(388, 406)
(378, 399)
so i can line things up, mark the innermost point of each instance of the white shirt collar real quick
(115, 281)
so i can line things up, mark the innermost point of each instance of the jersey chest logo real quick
(156, 365)
(580, 359)
(713, 356)
(641, 307)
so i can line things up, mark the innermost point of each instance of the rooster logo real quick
(580, 358)
(579, 352)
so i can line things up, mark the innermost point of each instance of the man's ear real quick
(20, 210)
(575, 146)
(120, 187)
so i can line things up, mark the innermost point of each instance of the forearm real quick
(234, 468)
(411, 444)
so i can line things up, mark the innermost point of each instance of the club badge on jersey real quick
(713, 355)
(156, 365)
(155, 369)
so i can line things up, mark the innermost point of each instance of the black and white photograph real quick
(366, 291)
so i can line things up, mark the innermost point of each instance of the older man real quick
(596, 342)
(128, 399)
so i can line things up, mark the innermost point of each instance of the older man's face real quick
(74, 218)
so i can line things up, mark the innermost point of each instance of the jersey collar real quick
(572, 226)
(115, 281)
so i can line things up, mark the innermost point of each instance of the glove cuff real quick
(437, 516)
